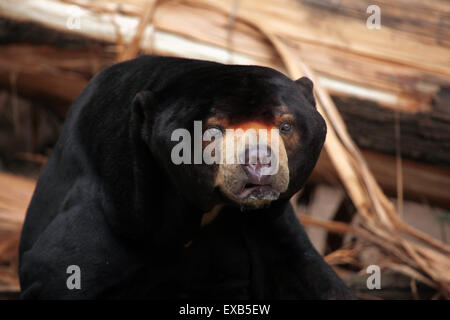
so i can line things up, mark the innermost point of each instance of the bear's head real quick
(237, 135)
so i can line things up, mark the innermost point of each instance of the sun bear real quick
(131, 200)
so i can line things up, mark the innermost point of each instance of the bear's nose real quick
(257, 160)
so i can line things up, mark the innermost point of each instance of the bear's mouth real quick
(254, 191)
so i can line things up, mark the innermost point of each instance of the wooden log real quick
(422, 182)
(46, 65)
(15, 194)
(424, 136)
(56, 89)
(395, 83)
(417, 18)
(324, 204)
(295, 21)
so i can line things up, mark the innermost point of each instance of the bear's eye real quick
(215, 130)
(286, 127)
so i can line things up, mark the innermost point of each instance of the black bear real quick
(137, 214)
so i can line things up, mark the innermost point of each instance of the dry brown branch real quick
(145, 19)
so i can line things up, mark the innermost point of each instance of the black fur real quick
(111, 201)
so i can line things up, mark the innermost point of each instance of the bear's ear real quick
(307, 86)
(141, 118)
(141, 103)
(145, 191)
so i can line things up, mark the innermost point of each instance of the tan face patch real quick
(232, 179)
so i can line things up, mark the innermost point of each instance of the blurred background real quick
(380, 194)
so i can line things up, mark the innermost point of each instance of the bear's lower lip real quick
(256, 191)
